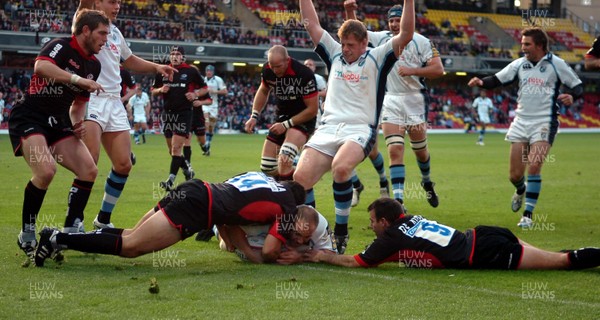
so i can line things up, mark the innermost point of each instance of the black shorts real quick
(198, 122)
(177, 122)
(186, 207)
(307, 128)
(496, 248)
(24, 122)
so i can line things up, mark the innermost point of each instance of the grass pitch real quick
(197, 281)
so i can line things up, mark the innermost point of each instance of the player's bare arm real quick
(49, 70)
(77, 113)
(335, 259)
(350, 8)
(311, 20)
(433, 69)
(407, 28)
(138, 64)
(260, 99)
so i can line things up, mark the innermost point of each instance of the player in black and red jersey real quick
(194, 205)
(295, 88)
(592, 57)
(179, 94)
(45, 128)
(418, 242)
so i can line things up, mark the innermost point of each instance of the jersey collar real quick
(75, 45)
(360, 59)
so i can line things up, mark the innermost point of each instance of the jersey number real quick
(434, 232)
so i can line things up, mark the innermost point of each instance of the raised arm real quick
(311, 20)
(407, 27)
(350, 7)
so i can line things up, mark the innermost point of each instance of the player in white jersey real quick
(216, 87)
(483, 105)
(349, 123)
(406, 102)
(139, 108)
(540, 75)
(106, 119)
(273, 243)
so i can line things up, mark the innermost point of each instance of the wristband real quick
(254, 115)
(75, 78)
(288, 124)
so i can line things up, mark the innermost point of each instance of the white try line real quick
(451, 286)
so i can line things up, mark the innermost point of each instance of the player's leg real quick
(136, 132)
(378, 163)
(418, 143)
(92, 138)
(536, 157)
(349, 155)
(186, 166)
(394, 139)
(43, 167)
(268, 160)
(147, 216)
(154, 234)
(76, 158)
(118, 148)
(291, 147)
(518, 163)
(311, 167)
(177, 160)
(357, 188)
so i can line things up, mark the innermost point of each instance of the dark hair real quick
(353, 27)
(386, 208)
(539, 37)
(297, 190)
(90, 18)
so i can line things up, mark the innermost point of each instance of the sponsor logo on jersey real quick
(74, 64)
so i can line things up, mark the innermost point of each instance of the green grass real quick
(197, 281)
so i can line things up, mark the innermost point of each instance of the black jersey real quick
(127, 81)
(297, 84)
(418, 242)
(251, 197)
(49, 97)
(594, 51)
(188, 79)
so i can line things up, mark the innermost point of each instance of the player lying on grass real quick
(418, 242)
(273, 243)
(194, 205)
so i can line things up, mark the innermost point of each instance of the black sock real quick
(116, 231)
(527, 214)
(93, 242)
(187, 154)
(520, 185)
(176, 162)
(340, 229)
(78, 198)
(584, 258)
(32, 202)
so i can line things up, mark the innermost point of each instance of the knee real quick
(44, 176)
(341, 172)
(89, 173)
(122, 167)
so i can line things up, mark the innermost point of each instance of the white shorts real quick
(328, 138)
(108, 112)
(213, 111)
(256, 235)
(404, 109)
(139, 118)
(532, 130)
(484, 118)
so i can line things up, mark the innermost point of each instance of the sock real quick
(534, 186)
(397, 176)
(340, 229)
(92, 242)
(342, 198)
(32, 202)
(78, 198)
(176, 162)
(310, 198)
(425, 169)
(209, 137)
(136, 136)
(378, 164)
(187, 153)
(115, 182)
(520, 185)
(356, 184)
(584, 258)
(118, 231)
